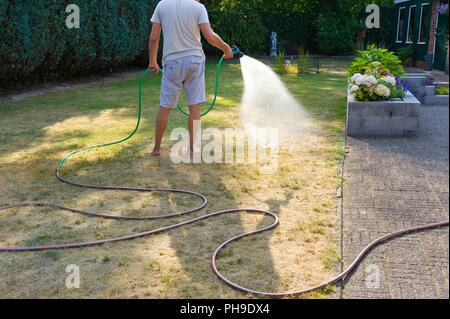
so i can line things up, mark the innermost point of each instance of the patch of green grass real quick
(52, 254)
(331, 259)
(324, 293)
(36, 241)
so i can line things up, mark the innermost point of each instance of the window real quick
(424, 21)
(411, 22)
(400, 24)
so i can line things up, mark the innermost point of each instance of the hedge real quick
(36, 45)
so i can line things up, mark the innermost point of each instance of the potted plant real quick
(290, 67)
(362, 30)
(406, 55)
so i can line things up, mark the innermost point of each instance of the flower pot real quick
(407, 63)
(361, 34)
(290, 69)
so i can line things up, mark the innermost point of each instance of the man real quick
(183, 59)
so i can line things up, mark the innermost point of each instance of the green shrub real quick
(405, 53)
(441, 90)
(243, 28)
(389, 61)
(334, 37)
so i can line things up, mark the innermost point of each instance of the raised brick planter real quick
(432, 99)
(386, 118)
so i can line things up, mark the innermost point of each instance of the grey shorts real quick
(187, 72)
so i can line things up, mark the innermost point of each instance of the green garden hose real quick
(140, 109)
(215, 92)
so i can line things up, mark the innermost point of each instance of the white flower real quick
(355, 77)
(367, 80)
(361, 80)
(354, 88)
(371, 80)
(389, 79)
(382, 90)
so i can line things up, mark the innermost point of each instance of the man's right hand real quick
(228, 53)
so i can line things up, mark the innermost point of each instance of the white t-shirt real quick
(180, 21)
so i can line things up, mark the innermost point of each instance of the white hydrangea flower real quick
(371, 80)
(389, 79)
(361, 80)
(355, 77)
(354, 88)
(367, 80)
(382, 90)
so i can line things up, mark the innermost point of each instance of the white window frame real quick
(409, 24)
(420, 24)
(398, 23)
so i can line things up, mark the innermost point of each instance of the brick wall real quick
(432, 27)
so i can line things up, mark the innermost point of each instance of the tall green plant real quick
(303, 56)
(279, 61)
(389, 61)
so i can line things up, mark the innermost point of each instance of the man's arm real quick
(153, 46)
(215, 40)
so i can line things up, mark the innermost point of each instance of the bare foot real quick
(156, 153)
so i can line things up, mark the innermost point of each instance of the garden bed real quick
(432, 96)
(384, 118)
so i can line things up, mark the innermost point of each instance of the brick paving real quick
(392, 184)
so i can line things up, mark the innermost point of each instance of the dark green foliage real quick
(293, 28)
(36, 45)
(388, 22)
(405, 53)
(335, 34)
(241, 27)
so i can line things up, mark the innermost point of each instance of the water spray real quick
(340, 277)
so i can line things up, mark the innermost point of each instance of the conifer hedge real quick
(36, 45)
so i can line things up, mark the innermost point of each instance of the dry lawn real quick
(37, 132)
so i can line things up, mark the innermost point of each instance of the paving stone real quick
(393, 183)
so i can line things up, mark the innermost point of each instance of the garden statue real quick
(273, 52)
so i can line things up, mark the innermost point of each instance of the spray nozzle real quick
(237, 53)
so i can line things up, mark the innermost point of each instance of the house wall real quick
(428, 65)
(421, 49)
